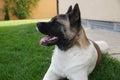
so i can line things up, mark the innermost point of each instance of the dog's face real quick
(61, 29)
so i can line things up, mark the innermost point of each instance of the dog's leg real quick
(51, 75)
(79, 75)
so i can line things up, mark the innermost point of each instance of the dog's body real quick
(75, 63)
(75, 56)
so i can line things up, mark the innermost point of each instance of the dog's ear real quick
(69, 9)
(76, 11)
(74, 16)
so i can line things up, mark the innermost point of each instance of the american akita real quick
(74, 56)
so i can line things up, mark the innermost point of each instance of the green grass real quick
(109, 69)
(22, 58)
(19, 22)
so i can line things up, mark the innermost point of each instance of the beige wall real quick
(1, 10)
(43, 9)
(106, 10)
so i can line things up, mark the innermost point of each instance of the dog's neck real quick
(80, 40)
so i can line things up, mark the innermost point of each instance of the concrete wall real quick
(43, 9)
(105, 10)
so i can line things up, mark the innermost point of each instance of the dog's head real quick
(62, 29)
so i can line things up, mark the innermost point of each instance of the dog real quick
(74, 56)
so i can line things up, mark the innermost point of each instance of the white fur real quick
(75, 63)
(37, 28)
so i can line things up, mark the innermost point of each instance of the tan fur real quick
(81, 39)
(68, 33)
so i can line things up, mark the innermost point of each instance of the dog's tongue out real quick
(49, 40)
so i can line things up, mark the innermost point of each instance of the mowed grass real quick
(22, 58)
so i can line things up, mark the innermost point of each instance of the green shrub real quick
(6, 16)
(20, 8)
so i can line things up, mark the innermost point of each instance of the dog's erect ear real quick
(76, 12)
(69, 9)
(74, 16)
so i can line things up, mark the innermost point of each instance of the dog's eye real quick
(56, 22)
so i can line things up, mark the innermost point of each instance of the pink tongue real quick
(45, 39)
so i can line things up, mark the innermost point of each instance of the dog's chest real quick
(74, 58)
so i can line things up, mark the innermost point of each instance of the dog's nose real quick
(37, 26)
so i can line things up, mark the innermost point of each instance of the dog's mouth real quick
(48, 40)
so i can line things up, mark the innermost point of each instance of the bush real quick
(20, 8)
(6, 16)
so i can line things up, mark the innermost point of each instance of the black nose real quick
(38, 24)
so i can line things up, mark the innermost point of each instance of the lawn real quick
(22, 58)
